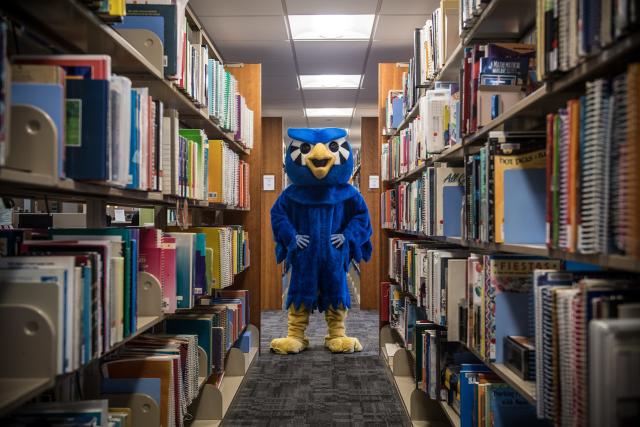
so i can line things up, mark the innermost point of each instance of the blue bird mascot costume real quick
(320, 222)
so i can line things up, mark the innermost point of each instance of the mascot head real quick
(318, 156)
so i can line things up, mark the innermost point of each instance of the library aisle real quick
(418, 213)
(317, 386)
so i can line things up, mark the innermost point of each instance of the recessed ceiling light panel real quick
(331, 27)
(329, 112)
(330, 81)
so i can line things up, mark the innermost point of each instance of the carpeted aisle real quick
(316, 388)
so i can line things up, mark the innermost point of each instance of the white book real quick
(43, 288)
(456, 291)
(67, 264)
(117, 306)
(120, 111)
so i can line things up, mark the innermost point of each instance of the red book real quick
(99, 65)
(384, 303)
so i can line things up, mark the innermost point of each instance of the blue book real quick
(169, 14)
(452, 199)
(244, 342)
(512, 318)
(155, 24)
(134, 160)
(86, 150)
(525, 206)
(50, 98)
(148, 386)
(200, 287)
(508, 408)
(467, 392)
(397, 114)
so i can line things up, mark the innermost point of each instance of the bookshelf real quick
(498, 21)
(69, 27)
(90, 35)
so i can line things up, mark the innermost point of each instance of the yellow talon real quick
(336, 341)
(295, 341)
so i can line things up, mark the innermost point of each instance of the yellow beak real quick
(320, 161)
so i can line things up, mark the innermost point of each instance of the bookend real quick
(32, 131)
(419, 406)
(33, 368)
(213, 402)
(145, 411)
(149, 297)
(148, 44)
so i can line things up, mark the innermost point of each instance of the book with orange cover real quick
(573, 108)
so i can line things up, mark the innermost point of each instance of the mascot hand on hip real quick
(320, 222)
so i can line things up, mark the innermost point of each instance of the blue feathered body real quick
(319, 209)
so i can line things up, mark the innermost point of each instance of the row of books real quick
(561, 328)
(422, 138)
(470, 10)
(190, 65)
(505, 189)
(228, 176)
(495, 76)
(568, 31)
(431, 205)
(591, 171)
(481, 397)
(438, 39)
(112, 132)
(164, 366)
(88, 278)
(582, 323)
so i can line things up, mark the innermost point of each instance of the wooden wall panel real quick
(370, 165)
(249, 78)
(389, 78)
(271, 274)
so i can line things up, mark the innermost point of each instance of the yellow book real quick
(216, 154)
(532, 160)
(117, 8)
(234, 249)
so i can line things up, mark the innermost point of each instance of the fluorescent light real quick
(330, 81)
(329, 112)
(331, 27)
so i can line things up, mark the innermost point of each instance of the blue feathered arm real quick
(284, 233)
(358, 230)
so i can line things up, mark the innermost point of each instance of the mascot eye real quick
(305, 148)
(334, 146)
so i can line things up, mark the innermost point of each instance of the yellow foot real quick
(342, 344)
(289, 345)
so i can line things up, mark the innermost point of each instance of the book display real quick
(508, 213)
(115, 323)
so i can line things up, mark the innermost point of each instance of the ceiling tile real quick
(403, 7)
(245, 28)
(338, 57)
(236, 8)
(331, 7)
(275, 56)
(330, 98)
(398, 27)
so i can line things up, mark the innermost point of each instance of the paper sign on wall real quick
(374, 182)
(268, 182)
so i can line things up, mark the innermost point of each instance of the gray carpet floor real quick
(317, 388)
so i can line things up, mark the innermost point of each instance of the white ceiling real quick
(255, 31)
